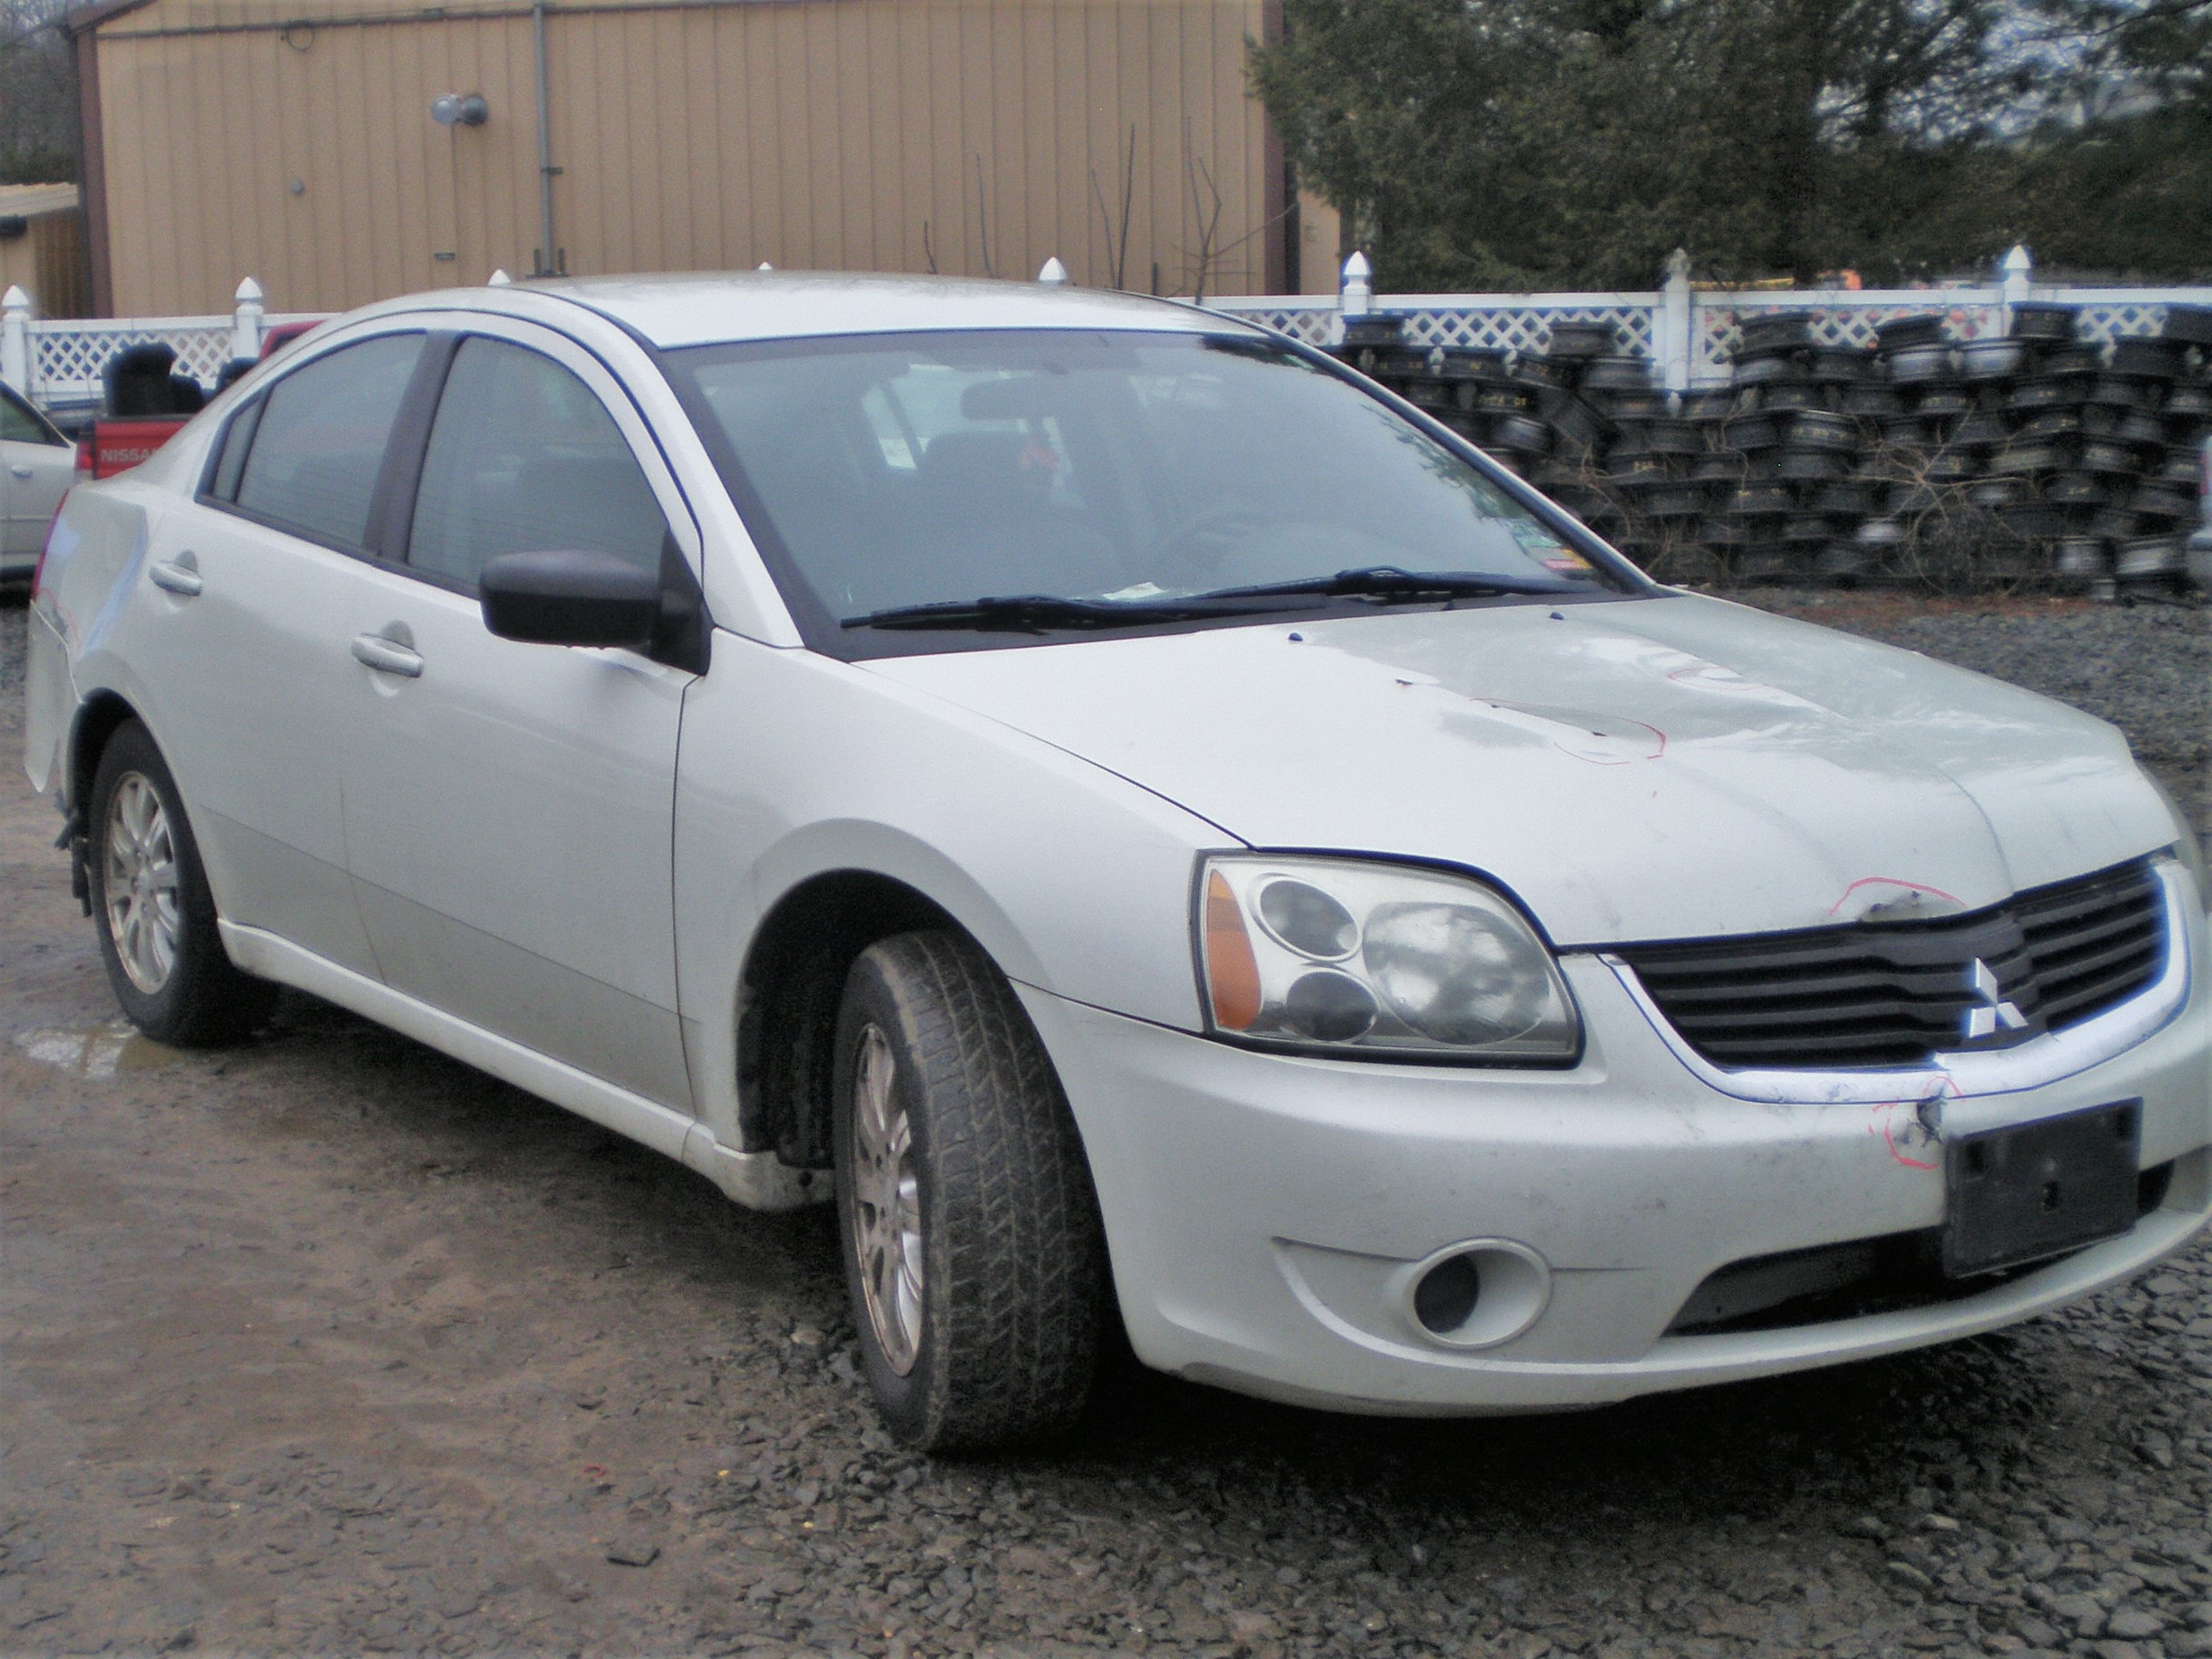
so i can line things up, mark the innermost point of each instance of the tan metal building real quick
(42, 247)
(294, 141)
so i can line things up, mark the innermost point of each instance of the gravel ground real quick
(330, 1345)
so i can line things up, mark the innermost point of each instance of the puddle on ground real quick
(94, 1051)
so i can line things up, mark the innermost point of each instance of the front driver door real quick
(509, 808)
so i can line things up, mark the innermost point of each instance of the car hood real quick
(1651, 768)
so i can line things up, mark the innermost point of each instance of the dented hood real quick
(1636, 769)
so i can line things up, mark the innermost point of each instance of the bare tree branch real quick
(983, 217)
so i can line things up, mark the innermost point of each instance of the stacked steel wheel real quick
(2035, 456)
(1792, 424)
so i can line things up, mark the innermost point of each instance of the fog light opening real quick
(1474, 1294)
(1445, 1297)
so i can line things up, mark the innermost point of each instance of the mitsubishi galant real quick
(1153, 828)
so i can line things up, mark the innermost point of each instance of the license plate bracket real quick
(2038, 1190)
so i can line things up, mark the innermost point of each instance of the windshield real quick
(1126, 471)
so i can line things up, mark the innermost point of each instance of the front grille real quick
(1892, 994)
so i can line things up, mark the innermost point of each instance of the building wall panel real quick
(972, 136)
(47, 261)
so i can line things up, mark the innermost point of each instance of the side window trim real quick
(391, 510)
(219, 486)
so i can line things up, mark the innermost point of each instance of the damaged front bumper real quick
(1274, 1221)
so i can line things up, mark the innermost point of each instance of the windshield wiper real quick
(1041, 613)
(1388, 582)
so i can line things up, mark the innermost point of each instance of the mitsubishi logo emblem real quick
(1994, 1012)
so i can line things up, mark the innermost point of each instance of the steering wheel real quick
(1208, 536)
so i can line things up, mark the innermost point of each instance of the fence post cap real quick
(1357, 269)
(249, 293)
(1678, 262)
(1053, 274)
(2017, 263)
(499, 279)
(15, 299)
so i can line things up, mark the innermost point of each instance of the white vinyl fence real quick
(58, 363)
(1687, 332)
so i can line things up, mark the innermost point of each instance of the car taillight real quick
(38, 570)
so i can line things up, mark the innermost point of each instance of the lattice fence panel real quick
(1525, 329)
(1310, 323)
(69, 358)
(1719, 327)
(2118, 321)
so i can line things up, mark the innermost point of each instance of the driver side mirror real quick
(570, 599)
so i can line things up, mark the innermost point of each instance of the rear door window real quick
(320, 444)
(524, 457)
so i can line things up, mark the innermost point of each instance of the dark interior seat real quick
(140, 381)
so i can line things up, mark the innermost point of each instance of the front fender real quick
(847, 844)
(793, 766)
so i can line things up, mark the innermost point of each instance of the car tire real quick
(974, 1253)
(152, 909)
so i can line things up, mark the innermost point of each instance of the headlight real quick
(2188, 848)
(1376, 958)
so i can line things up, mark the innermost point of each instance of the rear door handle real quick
(171, 576)
(19, 470)
(381, 654)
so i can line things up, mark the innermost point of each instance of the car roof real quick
(705, 308)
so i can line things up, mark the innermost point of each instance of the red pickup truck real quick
(149, 402)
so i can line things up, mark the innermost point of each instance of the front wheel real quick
(153, 909)
(973, 1249)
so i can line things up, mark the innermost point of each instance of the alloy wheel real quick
(887, 1210)
(144, 913)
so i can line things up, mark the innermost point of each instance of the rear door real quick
(241, 637)
(509, 808)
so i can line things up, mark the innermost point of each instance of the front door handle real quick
(19, 470)
(173, 576)
(381, 654)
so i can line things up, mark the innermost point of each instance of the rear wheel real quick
(153, 910)
(972, 1244)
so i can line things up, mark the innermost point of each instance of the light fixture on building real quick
(459, 109)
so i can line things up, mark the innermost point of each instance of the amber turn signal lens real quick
(1232, 972)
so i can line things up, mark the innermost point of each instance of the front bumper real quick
(1266, 1212)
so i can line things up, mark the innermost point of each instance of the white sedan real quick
(1155, 826)
(37, 467)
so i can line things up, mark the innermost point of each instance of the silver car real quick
(37, 467)
(1149, 825)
